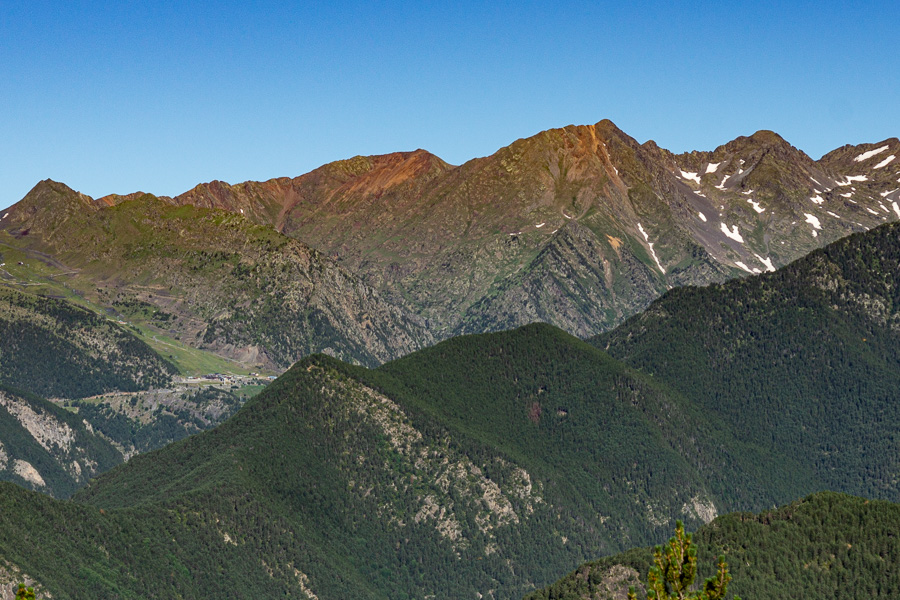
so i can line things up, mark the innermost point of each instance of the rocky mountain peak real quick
(377, 174)
(48, 204)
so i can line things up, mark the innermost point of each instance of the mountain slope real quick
(123, 392)
(826, 546)
(329, 445)
(488, 464)
(805, 360)
(580, 227)
(54, 348)
(211, 279)
(48, 449)
(433, 475)
(490, 244)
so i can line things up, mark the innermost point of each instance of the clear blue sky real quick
(153, 96)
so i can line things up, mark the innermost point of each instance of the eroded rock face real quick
(52, 434)
(10, 578)
(445, 485)
(613, 583)
(26, 471)
(49, 450)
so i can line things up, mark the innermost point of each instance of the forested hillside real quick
(56, 349)
(804, 361)
(46, 448)
(825, 547)
(362, 463)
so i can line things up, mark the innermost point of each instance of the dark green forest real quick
(56, 349)
(65, 466)
(827, 546)
(804, 362)
(164, 426)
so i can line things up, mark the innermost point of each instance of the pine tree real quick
(24, 593)
(674, 569)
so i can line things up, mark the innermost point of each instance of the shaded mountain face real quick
(451, 471)
(826, 546)
(56, 349)
(580, 227)
(212, 279)
(46, 448)
(120, 393)
(805, 360)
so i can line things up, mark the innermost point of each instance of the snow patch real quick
(4, 216)
(744, 267)
(847, 195)
(896, 209)
(870, 154)
(702, 216)
(652, 252)
(883, 208)
(747, 193)
(885, 162)
(833, 215)
(721, 186)
(851, 179)
(817, 199)
(688, 175)
(756, 205)
(711, 167)
(539, 226)
(871, 211)
(767, 262)
(814, 221)
(886, 194)
(242, 211)
(733, 234)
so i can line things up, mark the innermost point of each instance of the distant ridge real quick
(651, 220)
(580, 227)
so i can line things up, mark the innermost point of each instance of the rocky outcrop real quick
(47, 449)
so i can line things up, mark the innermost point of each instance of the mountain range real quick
(490, 464)
(409, 451)
(579, 227)
(370, 258)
